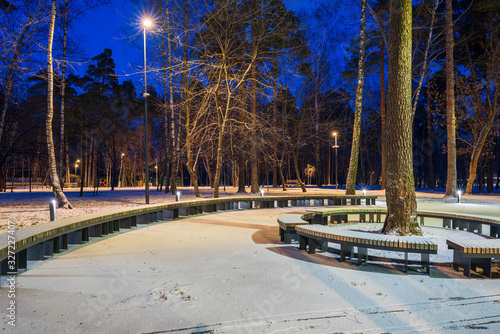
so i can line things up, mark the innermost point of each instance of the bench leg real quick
(302, 242)
(287, 237)
(362, 255)
(344, 249)
(406, 262)
(425, 259)
(485, 264)
(460, 261)
(313, 244)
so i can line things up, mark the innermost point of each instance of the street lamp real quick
(146, 23)
(336, 160)
(156, 180)
(120, 178)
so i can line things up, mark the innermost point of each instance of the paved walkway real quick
(228, 273)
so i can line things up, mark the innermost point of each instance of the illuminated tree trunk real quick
(382, 110)
(430, 143)
(451, 180)
(400, 191)
(62, 201)
(356, 136)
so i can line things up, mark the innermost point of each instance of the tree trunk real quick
(297, 170)
(451, 178)
(430, 142)
(382, 111)
(254, 163)
(62, 201)
(474, 160)
(241, 173)
(356, 136)
(400, 191)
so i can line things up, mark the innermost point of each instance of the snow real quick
(229, 273)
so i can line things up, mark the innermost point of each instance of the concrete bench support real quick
(36, 252)
(21, 262)
(125, 223)
(319, 202)
(142, 219)
(282, 203)
(75, 237)
(170, 214)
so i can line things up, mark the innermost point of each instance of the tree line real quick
(248, 93)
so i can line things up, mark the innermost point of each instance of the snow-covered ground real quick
(229, 273)
(28, 209)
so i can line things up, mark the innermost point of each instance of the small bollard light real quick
(52, 209)
(364, 192)
(459, 193)
(178, 196)
(262, 193)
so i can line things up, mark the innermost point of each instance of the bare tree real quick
(62, 201)
(451, 148)
(356, 137)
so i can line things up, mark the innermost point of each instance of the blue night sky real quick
(105, 28)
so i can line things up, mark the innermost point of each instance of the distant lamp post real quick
(156, 180)
(336, 160)
(121, 171)
(146, 23)
(76, 170)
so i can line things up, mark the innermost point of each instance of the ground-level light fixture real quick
(262, 193)
(178, 196)
(52, 209)
(459, 195)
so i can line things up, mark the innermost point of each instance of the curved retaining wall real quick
(42, 241)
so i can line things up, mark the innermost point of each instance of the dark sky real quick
(103, 28)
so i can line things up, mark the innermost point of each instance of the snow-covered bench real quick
(318, 236)
(288, 222)
(471, 254)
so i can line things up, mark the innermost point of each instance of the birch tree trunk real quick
(356, 136)
(400, 191)
(62, 201)
(451, 179)
(63, 93)
(430, 142)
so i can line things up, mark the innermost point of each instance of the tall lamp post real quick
(146, 23)
(120, 179)
(336, 160)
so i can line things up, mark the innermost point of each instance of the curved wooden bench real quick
(468, 255)
(317, 236)
(289, 221)
(42, 241)
(471, 254)
(341, 215)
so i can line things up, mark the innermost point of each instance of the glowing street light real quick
(334, 134)
(459, 194)
(156, 180)
(146, 23)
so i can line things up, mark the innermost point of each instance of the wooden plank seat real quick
(471, 254)
(287, 223)
(340, 214)
(318, 236)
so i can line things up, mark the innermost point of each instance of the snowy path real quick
(228, 273)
